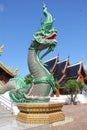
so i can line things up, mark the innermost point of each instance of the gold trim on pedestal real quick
(40, 113)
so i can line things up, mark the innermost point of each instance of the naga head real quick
(46, 36)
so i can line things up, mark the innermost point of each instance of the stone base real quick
(40, 113)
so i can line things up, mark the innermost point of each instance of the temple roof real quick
(50, 63)
(60, 69)
(74, 70)
(63, 71)
(8, 70)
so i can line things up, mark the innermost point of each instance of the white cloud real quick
(1, 8)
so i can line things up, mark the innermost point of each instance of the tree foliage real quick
(73, 87)
(28, 79)
(56, 87)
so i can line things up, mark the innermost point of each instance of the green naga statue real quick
(42, 81)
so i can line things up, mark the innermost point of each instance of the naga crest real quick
(46, 35)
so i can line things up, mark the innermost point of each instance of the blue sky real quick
(20, 19)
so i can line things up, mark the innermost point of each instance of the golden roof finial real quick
(1, 49)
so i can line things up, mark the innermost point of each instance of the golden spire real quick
(1, 49)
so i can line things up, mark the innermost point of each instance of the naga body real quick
(43, 82)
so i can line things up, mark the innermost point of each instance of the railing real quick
(8, 104)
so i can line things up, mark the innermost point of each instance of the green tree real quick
(28, 79)
(73, 87)
(56, 89)
(81, 85)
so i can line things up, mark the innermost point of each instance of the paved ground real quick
(78, 114)
(76, 119)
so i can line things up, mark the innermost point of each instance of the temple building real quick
(63, 71)
(6, 73)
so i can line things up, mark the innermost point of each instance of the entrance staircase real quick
(8, 104)
(5, 116)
